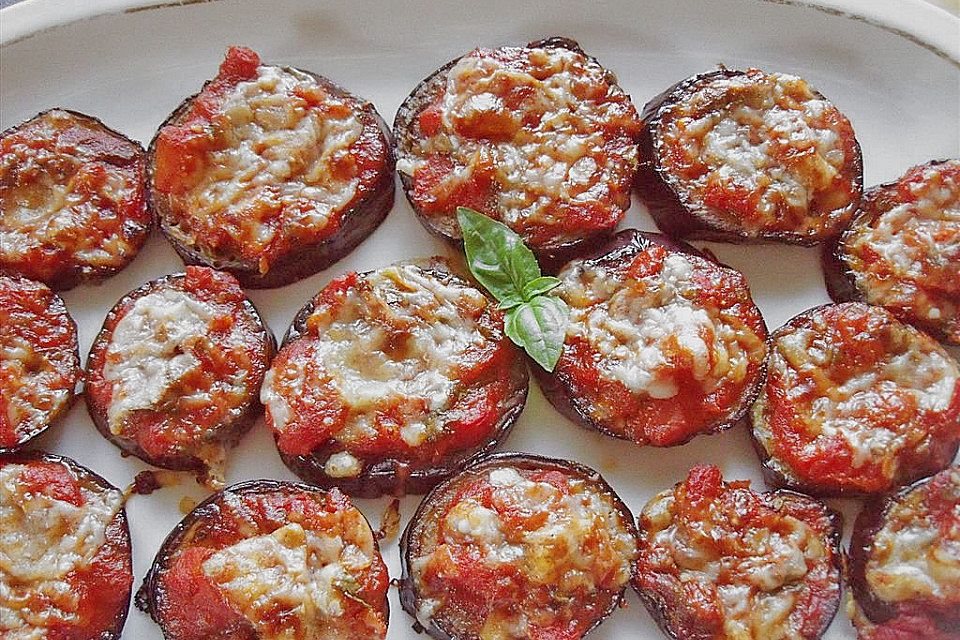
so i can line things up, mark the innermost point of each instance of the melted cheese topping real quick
(883, 407)
(643, 328)
(275, 171)
(300, 578)
(38, 364)
(150, 351)
(42, 541)
(763, 152)
(746, 558)
(916, 553)
(546, 126)
(69, 188)
(907, 257)
(574, 544)
(398, 341)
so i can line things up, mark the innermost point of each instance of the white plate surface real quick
(893, 71)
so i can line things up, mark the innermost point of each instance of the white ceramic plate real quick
(891, 66)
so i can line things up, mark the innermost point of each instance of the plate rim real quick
(920, 22)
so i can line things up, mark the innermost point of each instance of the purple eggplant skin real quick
(409, 541)
(405, 129)
(59, 307)
(658, 607)
(397, 477)
(557, 387)
(148, 596)
(229, 434)
(868, 524)
(136, 232)
(666, 200)
(357, 223)
(841, 281)
(117, 532)
(778, 476)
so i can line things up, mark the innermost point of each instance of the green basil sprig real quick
(507, 268)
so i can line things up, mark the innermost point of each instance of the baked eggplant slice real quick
(73, 205)
(65, 556)
(39, 362)
(174, 375)
(719, 560)
(902, 250)
(855, 403)
(515, 547)
(270, 173)
(268, 559)
(904, 568)
(748, 156)
(539, 137)
(388, 380)
(663, 342)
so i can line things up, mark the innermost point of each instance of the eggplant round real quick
(902, 250)
(855, 403)
(66, 550)
(510, 506)
(902, 567)
(174, 375)
(718, 559)
(635, 364)
(40, 363)
(232, 569)
(73, 204)
(320, 181)
(389, 380)
(747, 157)
(484, 132)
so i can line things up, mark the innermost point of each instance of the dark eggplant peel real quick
(39, 362)
(855, 403)
(517, 547)
(267, 559)
(719, 560)
(174, 375)
(270, 173)
(663, 343)
(748, 156)
(73, 204)
(904, 566)
(390, 379)
(65, 557)
(902, 250)
(541, 138)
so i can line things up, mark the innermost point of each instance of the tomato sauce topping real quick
(722, 561)
(39, 366)
(264, 160)
(65, 568)
(407, 362)
(856, 400)
(539, 138)
(762, 153)
(911, 564)
(273, 561)
(178, 363)
(661, 345)
(72, 199)
(904, 250)
(515, 552)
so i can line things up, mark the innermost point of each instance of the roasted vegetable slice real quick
(390, 379)
(517, 546)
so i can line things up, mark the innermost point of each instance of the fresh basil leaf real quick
(539, 326)
(539, 286)
(497, 257)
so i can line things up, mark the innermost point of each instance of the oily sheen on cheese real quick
(42, 541)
